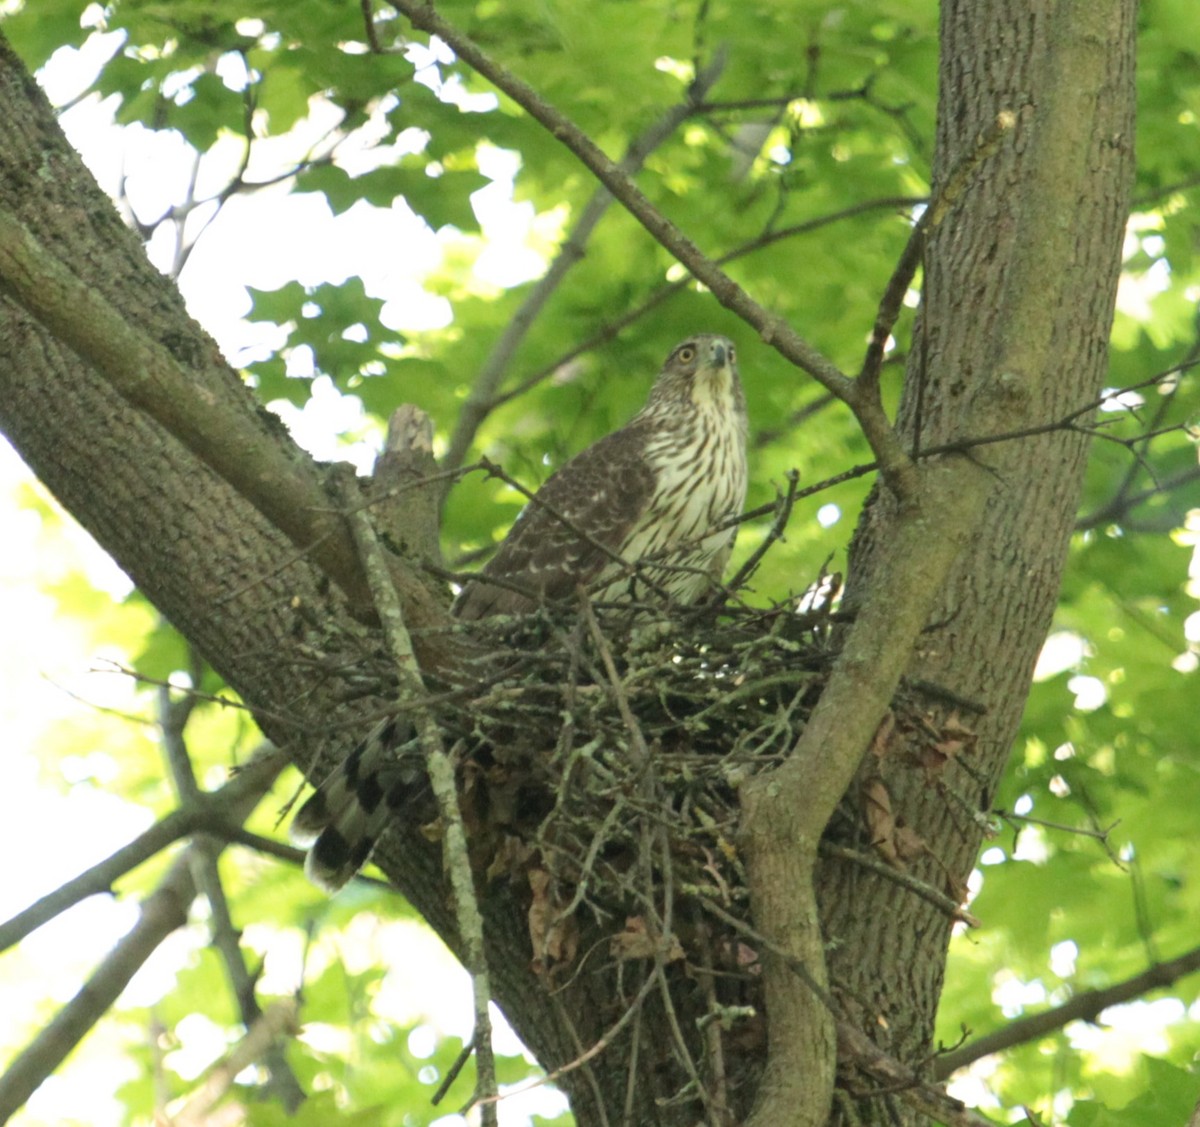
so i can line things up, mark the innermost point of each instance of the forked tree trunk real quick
(1020, 283)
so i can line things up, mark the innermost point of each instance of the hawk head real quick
(700, 373)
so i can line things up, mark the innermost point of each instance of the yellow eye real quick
(687, 354)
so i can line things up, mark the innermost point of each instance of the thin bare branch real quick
(440, 767)
(610, 329)
(254, 779)
(895, 465)
(482, 397)
(1083, 1007)
(590, 1054)
(783, 512)
(174, 713)
(857, 1048)
(905, 880)
(906, 268)
(260, 1042)
(370, 29)
(1122, 504)
(163, 912)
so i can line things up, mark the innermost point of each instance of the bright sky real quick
(48, 660)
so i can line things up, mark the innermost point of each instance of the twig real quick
(610, 329)
(783, 512)
(452, 1073)
(895, 465)
(683, 1054)
(481, 399)
(906, 268)
(859, 1048)
(597, 1048)
(1083, 1007)
(370, 29)
(715, 1049)
(173, 717)
(1100, 835)
(1118, 508)
(905, 880)
(163, 912)
(440, 768)
(261, 1041)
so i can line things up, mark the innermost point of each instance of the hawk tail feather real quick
(341, 823)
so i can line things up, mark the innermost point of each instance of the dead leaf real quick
(883, 735)
(881, 822)
(638, 942)
(555, 939)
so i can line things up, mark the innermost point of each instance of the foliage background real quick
(819, 111)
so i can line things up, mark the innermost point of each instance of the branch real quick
(783, 513)
(610, 329)
(173, 717)
(895, 464)
(1083, 1007)
(261, 1039)
(1123, 503)
(906, 268)
(253, 780)
(163, 912)
(944, 904)
(785, 810)
(856, 1047)
(481, 399)
(232, 441)
(440, 768)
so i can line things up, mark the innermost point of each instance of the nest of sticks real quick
(600, 761)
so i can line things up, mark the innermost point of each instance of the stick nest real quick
(600, 764)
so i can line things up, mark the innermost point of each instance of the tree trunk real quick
(1019, 289)
(1020, 285)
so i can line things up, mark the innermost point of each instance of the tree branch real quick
(482, 397)
(785, 810)
(894, 462)
(281, 483)
(1083, 1007)
(253, 780)
(855, 1046)
(163, 912)
(261, 1040)
(173, 718)
(440, 768)
(610, 329)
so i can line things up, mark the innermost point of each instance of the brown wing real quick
(603, 493)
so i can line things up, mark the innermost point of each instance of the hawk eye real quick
(687, 354)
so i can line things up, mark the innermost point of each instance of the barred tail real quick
(342, 822)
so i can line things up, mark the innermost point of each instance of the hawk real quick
(658, 490)
(644, 513)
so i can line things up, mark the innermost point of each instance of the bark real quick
(1019, 289)
(230, 580)
(1020, 285)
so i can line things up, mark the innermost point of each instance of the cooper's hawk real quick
(657, 490)
(640, 515)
